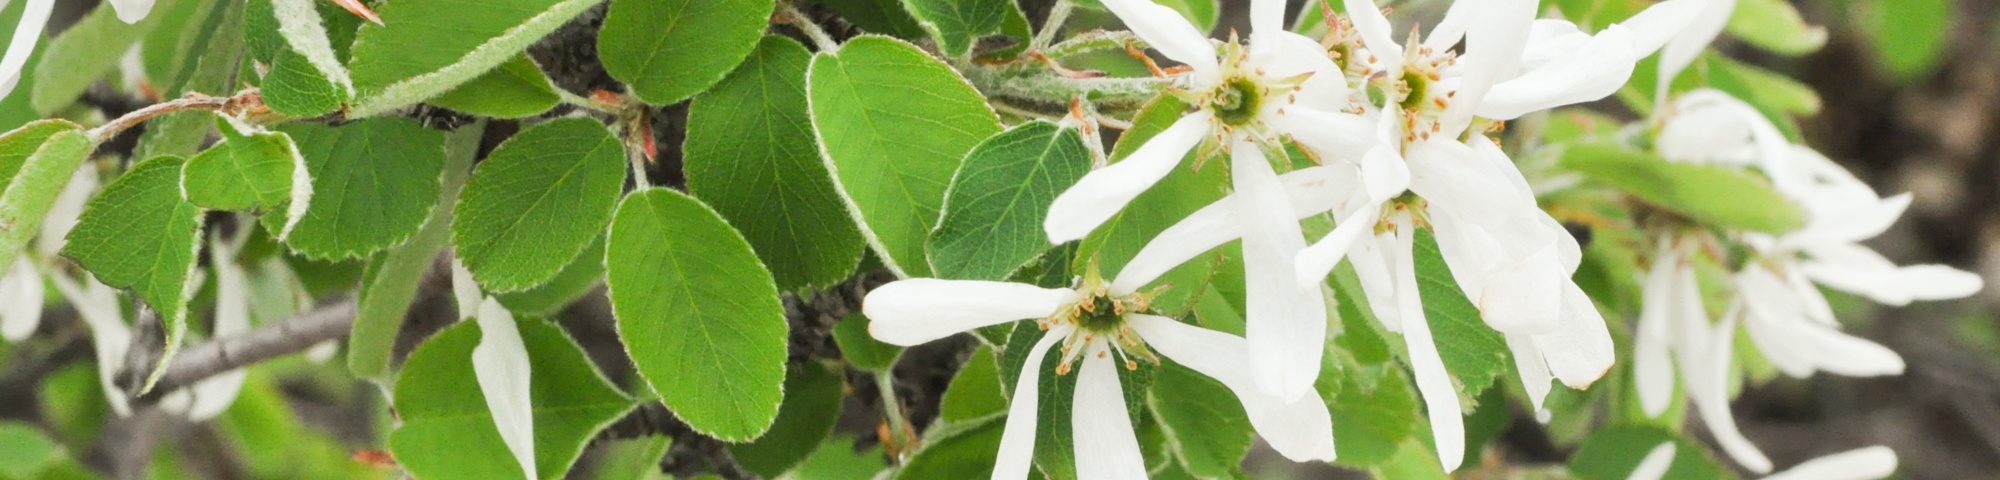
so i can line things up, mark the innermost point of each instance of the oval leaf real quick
(139, 234)
(1723, 196)
(516, 89)
(812, 404)
(994, 209)
(669, 50)
(374, 181)
(242, 172)
(36, 161)
(698, 313)
(894, 123)
(424, 48)
(537, 201)
(447, 432)
(750, 155)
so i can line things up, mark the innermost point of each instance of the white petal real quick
(33, 18)
(1550, 40)
(20, 300)
(1534, 371)
(1708, 388)
(1687, 45)
(1652, 368)
(1867, 463)
(464, 289)
(1580, 350)
(1301, 430)
(1285, 321)
(1168, 32)
(1375, 34)
(1455, 178)
(918, 310)
(1311, 190)
(64, 211)
(1593, 72)
(132, 11)
(1330, 135)
(1653, 27)
(500, 363)
(1493, 47)
(1317, 261)
(1939, 282)
(1526, 297)
(1103, 192)
(1017, 442)
(1106, 446)
(1267, 16)
(1839, 353)
(1440, 397)
(97, 304)
(213, 395)
(1377, 283)
(1656, 463)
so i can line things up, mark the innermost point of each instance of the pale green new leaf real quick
(140, 234)
(516, 89)
(390, 282)
(1719, 195)
(993, 211)
(36, 161)
(669, 50)
(1909, 36)
(1775, 25)
(750, 154)
(893, 124)
(698, 313)
(957, 24)
(812, 404)
(425, 48)
(242, 172)
(374, 181)
(537, 201)
(77, 57)
(25, 451)
(447, 432)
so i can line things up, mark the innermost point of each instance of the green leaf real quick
(516, 89)
(582, 275)
(36, 162)
(1775, 25)
(1766, 87)
(1413, 460)
(957, 454)
(390, 282)
(25, 451)
(1909, 36)
(1181, 193)
(993, 211)
(698, 313)
(139, 234)
(837, 458)
(957, 24)
(750, 154)
(974, 392)
(894, 123)
(537, 201)
(374, 181)
(1374, 410)
(1612, 453)
(295, 88)
(885, 17)
(1203, 421)
(424, 48)
(812, 404)
(171, 51)
(862, 349)
(1718, 195)
(633, 459)
(669, 50)
(447, 431)
(242, 172)
(1474, 353)
(80, 55)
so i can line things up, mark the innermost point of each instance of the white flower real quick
(1282, 86)
(1511, 259)
(1868, 463)
(34, 18)
(21, 289)
(1103, 325)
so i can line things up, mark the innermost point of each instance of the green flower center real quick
(1236, 102)
(1418, 85)
(1104, 316)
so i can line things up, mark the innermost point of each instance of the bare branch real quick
(302, 331)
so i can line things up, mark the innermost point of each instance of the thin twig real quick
(788, 13)
(1058, 14)
(198, 362)
(234, 104)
